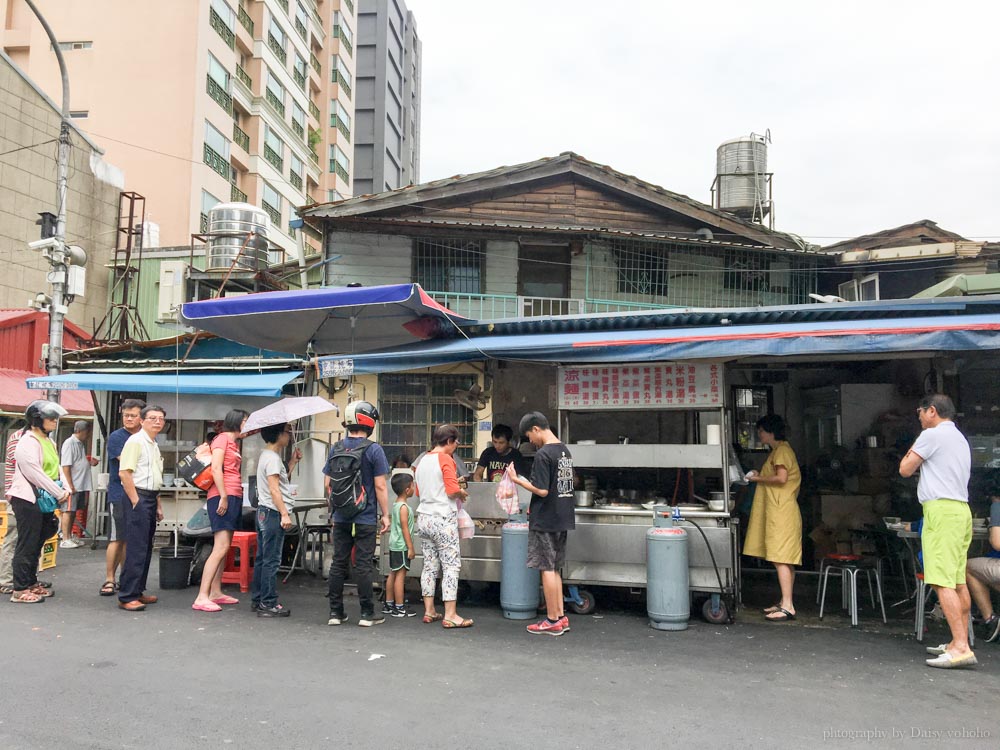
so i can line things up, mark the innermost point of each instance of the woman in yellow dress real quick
(774, 532)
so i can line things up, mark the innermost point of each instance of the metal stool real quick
(849, 566)
(918, 625)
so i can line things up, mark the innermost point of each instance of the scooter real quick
(198, 534)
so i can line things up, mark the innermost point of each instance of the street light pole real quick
(57, 262)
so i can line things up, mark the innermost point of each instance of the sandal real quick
(771, 610)
(783, 616)
(26, 597)
(436, 617)
(6, 590)
(108, 589)
(41, 591)
(449, 624)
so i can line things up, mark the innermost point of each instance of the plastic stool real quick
(849, 570)
(240, 570)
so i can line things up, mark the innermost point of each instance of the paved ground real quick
(77, 672)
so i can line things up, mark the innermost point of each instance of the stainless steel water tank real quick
(741, 165)
(229, 225)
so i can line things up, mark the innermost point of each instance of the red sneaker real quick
(564, 621)
(546, 627)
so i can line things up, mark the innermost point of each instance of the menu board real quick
(664, 386)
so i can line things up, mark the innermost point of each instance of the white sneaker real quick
(69, 544)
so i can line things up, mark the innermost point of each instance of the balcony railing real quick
(216, 22)
(295, 179)
(284, 5)
(274, 158)
(245, 19)
(237, 196)
(216, 161)
(350, 6)
(300, 27)
(314, 110)
(313, 157)
(244, 77)
(292, 231)
(342, 127)
(341, 172)
(338, 78)
(298, 129)
(300, 78)
(277, 49)
(274, 101)
(315, 63)
(495, 306)
(203, 223)
(240, 137)
(338, 31)
(220, 95)
(271, 211)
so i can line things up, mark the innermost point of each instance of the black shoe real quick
(368, 620)
(993, 629)
(402, 611)
(388, 609)
(276, 611)
(336, 619)
(254, 606)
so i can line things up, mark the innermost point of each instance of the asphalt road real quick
(79, 673)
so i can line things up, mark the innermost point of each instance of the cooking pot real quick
(717, 501)
(583, 498)
(629, 495)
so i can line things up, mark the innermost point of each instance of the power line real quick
(25, 148)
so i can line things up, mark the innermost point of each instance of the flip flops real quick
(947, 661)
(226, 599)
(450, 625)
(211, 607)
(783, 615)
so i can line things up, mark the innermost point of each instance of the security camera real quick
(49, 243)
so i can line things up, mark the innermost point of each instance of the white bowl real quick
(179, 482)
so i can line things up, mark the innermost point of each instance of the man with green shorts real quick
(942, 455)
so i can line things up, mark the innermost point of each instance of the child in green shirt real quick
(400, 546)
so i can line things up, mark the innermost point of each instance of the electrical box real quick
(173, 274)
(76, 280)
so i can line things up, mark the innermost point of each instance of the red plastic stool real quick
(240, 569)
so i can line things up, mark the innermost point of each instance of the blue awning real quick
(223, 384)
(856, 337)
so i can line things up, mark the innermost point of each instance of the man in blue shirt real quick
(130, 410)
(359, 533)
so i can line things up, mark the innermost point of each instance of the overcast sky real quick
(881, 112)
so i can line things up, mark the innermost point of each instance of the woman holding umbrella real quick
(225, 507)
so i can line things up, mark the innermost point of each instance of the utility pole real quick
(57, 258)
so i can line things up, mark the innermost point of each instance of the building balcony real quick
(338, 79)
(300, 78)
(284, 5)
(339, 33)
(216, 161)
(349, 5)
(220, 96)
(341, 126)
(277, 49)
(274, 158)
(244, 77)
(314, 110)
(244, 18)
(292, 231)
(498, 306)
(301, 29)
(203, 223)
(299, 129)
(275, 102)
(314, 63)
(236, 195)
(341, 172)
(296, 180)
(240, 138)
(216, 22)
(274, 213)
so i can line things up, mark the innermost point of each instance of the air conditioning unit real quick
(173, 275)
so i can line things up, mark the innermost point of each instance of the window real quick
(860, 290)
(271, 139)
(334, 195)
(748, 273)
(218, 73)
(225, 13)
(339, 115)
(339, 163)
(277, 33)
(339, 72)
(216, 141)
(300, 15)
(72, 46)
(296, 165)
(275, 93)
(641, 270)
(413, 405)
(208, 201)
(298, 119)
(271, 203)
(749, 405)
(341, 29)
(448, 265)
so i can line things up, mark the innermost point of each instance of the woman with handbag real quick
(34, 496)
(225, 508)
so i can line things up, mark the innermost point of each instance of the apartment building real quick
(387, 106)
(206, 101)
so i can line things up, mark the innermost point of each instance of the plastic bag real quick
(466, 526)
(506, 492)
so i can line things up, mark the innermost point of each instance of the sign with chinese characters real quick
(53, 385)
(664, 386)
(334, 367)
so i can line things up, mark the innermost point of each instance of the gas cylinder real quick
(668, 601)
(518, 583)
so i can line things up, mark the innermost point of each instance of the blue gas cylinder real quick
(668, 601)
(518, 583)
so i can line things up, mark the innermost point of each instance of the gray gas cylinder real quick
(668, 601)
(518, 583)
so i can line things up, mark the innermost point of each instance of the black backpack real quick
(347, 492)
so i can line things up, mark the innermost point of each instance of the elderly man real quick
(944, 459)
(984, 574)
(141, 472)
(76, 466)
(115, 555)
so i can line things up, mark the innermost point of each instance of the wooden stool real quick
(239, 569)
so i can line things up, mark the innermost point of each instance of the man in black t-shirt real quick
(550, 515)
(494, 460)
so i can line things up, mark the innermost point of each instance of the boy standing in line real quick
(275, 501)
(400, 546)
(550, 516)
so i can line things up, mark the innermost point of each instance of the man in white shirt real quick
(141, 472)
(76, 468)
(944, 459)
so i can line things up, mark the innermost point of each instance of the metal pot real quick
(583, 498)
(717, 503)
(629, 495)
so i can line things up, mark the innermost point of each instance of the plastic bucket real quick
(175, 567)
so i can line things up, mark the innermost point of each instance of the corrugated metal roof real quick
(703, 317)
(15, 394)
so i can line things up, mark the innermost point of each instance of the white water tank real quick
(741, 168)
(229, 232)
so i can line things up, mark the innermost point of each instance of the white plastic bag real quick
(466, 526)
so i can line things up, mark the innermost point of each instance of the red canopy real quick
(15, 395)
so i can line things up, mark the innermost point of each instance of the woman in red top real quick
(225, 507)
